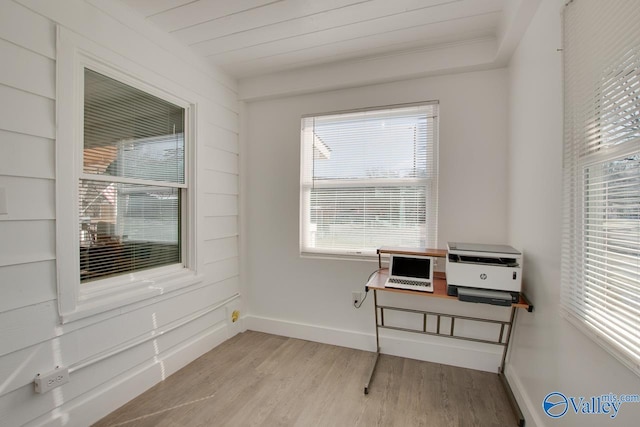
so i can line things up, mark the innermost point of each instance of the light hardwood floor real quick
(257, 379)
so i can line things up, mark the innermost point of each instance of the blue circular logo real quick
(555, 404)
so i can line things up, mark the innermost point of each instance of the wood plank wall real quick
(115, 355)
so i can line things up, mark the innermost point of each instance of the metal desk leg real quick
(512, 321)
(503, 378)
(375, 361)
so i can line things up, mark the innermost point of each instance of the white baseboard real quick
(465, 354)
(99, 402)
(339, 337)
(530, 409)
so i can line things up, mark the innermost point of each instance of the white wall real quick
(548, 353)
(112, 356)
(311, 298)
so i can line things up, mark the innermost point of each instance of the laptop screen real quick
(411, 266)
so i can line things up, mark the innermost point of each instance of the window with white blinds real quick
(369, 179)
(132, 181)
(601, 242)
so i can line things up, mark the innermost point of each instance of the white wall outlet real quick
(51, 380)
(356, 297)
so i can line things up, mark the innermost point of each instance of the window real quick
(125, 198)
(601, 245)
(369, 179)
(132, 180)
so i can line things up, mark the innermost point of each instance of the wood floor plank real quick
(257, 379)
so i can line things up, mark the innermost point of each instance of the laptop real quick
(412, 272)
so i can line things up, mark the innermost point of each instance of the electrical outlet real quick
(356, 297)
(50, 380)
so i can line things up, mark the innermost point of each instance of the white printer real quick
(484, 273)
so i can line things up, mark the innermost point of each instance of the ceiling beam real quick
(459, 57)
(478, 54)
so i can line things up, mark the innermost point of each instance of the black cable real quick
(365, 297)
(366, 291)
(371, 275)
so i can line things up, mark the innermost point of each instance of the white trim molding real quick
(482, 357)
(77, 301)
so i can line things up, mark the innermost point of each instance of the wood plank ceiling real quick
(247, 38)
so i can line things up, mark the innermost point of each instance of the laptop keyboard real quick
(413, 285)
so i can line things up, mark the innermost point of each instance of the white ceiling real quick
(251, 37)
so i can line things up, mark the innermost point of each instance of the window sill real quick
(340, 257)
(91, 303)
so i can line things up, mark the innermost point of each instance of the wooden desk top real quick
(378, 280)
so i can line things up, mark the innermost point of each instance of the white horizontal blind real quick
(132, 181)
(601, 243)
(369, 179)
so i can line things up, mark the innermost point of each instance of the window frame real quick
(430, 185)
(76, 300)
(591, 300)
(577, 302)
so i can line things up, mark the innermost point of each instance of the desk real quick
(376, 283)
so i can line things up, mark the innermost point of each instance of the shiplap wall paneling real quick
(30, 331)
(80, 17)
(223, 269)
(153, 324)
(26, 155)
(221, 160)
(26, 241)
(220, 205)
(20, 405)
(220, 182)
(126, 386)
(115, 355)
(219, 249)
(17, 366)
(25, 326)
(26, 29)
(222, 116)
(217, 137)
(217, 227)
(29, 71)
(220, 85)
(24, 284)
(40, 118)
(41, 206)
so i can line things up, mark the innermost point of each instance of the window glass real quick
(601, 243)
(369, 179)
(131, 188)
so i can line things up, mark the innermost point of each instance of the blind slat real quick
(129, 133)
(601, 219)
(369, 179)
(131, 140)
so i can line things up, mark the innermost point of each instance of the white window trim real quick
(76, 301)
(599, 72)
